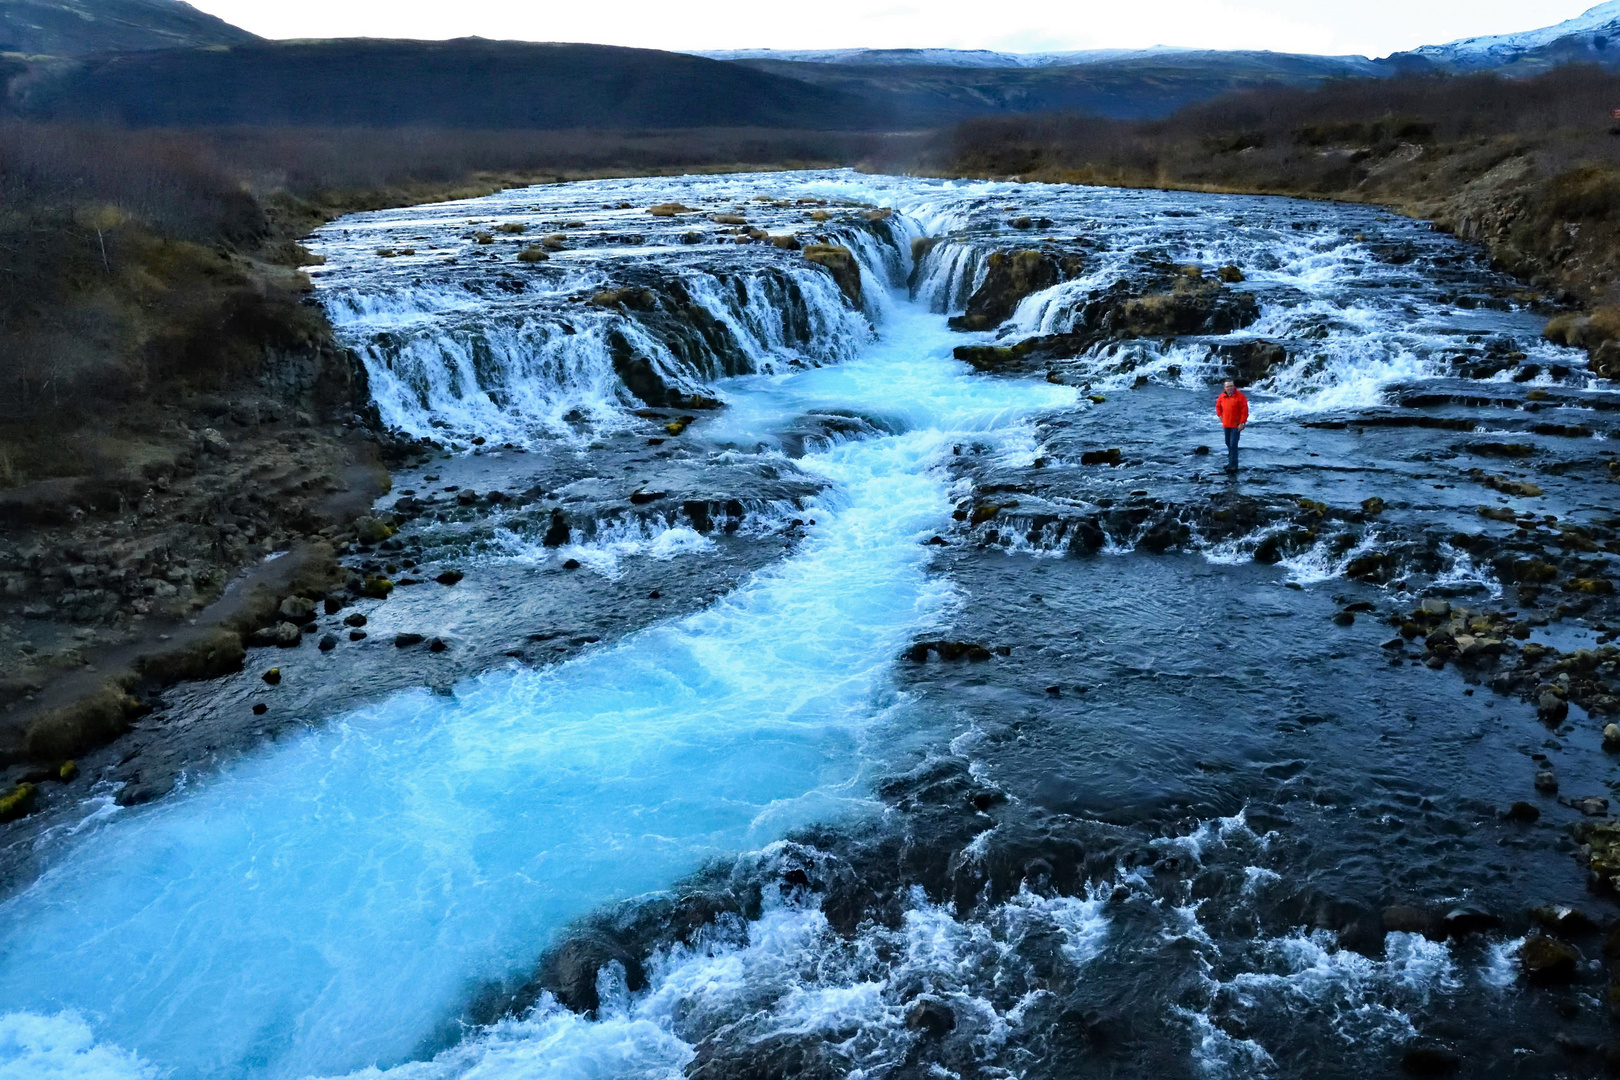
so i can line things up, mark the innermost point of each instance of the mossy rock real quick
(215, 653)
(669, 209)
(513, 228)
(532, 255)
(71, 730)
(377, 587)
(840, 262)
(18, 802)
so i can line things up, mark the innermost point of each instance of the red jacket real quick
(1233, 409)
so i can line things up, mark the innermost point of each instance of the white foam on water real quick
(326, 903)
(34, 1046)
(785, 973)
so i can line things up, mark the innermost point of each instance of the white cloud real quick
(1373, 27)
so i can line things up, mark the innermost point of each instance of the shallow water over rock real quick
(992, 730)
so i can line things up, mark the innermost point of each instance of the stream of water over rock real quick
(993, 753)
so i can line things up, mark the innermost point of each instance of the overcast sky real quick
(1369, 27)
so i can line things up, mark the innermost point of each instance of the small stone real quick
(333, 605)
(67, 771)
(260, 708)
(1544, 961)
(355, 619)
(1394, 643)
(1550, 708)
(1344, 618)
(357, 635)
(1054, 690)
(449, 577)
(214, 443)
(1546, 781)
(1524, 812)
(1611, 737)
(571, 564)
(273, 676)
(288, 635)
(1591, 806)
(327, 643)
(402, 641)
(437, 645)
(1200, 451)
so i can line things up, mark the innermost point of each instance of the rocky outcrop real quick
(840, 262)
(1010, 276)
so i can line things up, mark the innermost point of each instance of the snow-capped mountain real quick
(968, 58)
(1587, 36)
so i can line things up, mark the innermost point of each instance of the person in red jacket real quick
(1233, 409)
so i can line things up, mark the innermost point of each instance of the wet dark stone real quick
(1524, 812)
(437, 645)
(569, 971)
(1547, 962)
(355, 619)
(1406, 919)
(327, 643)
(357, 635)
(1468, 920)
(260, 708)
(405, 640)
(558, 532)
(449, 577)
(571, 564)
(930, 1017)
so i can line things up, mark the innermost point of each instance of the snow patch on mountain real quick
(1596, 28)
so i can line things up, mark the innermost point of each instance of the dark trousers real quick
(1232, 434)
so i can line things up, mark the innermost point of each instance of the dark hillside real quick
(1138, 87)
(467, 83)
(84, 27)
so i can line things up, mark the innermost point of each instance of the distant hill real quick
(1141, 85)
(83, 27)
(466, 83)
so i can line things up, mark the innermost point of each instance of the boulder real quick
(1252, 360)
(570, 971)
(297, 609)
(1545, 961)
(840, 262)
(288, 635)
(327, 643)
(448, 577)
(1010, 276)
(405, 640)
